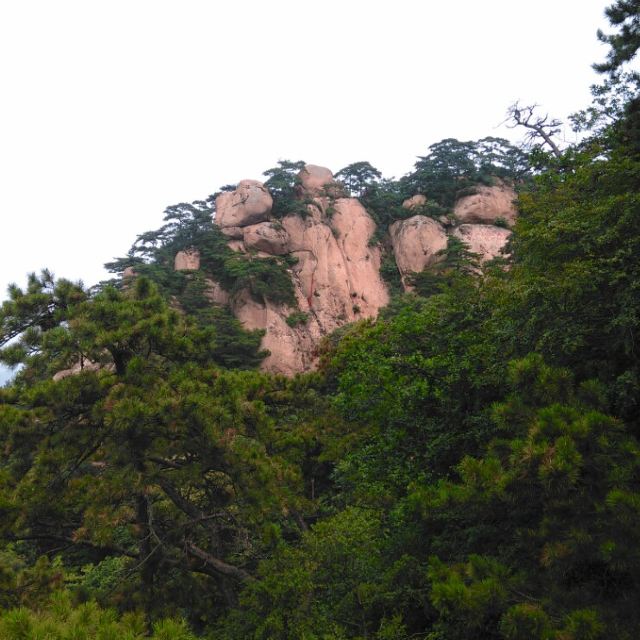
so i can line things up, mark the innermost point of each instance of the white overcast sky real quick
(112, 110)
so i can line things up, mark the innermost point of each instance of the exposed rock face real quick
(249, 204)
(336, 278)
(235, 233)
(314, 179)
(216, 293)
(292, 349)
(354, 227)
(237, 245)
(188, 260)
(336, 275)
(337, 272)
(268, 237)
(416, 241)
(415, 202)
(485, 240)
(487, 205)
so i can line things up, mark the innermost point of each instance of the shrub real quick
(296, 318)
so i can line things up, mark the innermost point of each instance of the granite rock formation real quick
(487, 205)
(336, 275)
(416, 242)
(335, 270)
(188, 260)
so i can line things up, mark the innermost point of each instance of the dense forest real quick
(465, 466)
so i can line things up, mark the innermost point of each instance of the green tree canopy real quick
(358, 177)
(625, 16)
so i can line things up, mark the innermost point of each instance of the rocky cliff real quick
(336, 267)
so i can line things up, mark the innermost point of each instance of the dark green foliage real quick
(605, 117)
(455, 260)
(625, 15)
(575, 293)
(614, 117)
(421, 381)
(264, 278)
(27, 581)
(282, 182)
(452, 166)
(383, 200)
(450, 170)
(358, 177)
(390, 273)
(61, 619)
(536, 534)
(328, 587)
(296, 318)
(191, 226)
(29, 316)
(157, 458)
(501, 222)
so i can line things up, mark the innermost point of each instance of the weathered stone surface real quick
(314, 179)
(337, 272)
(129, 273)
(216, 293)
(188, 260)
(416, 241)
(291, 349)
(321, 271)
(485, 240)
(268, 237)
(487, 205)
(235, 233)
(415, 202)
(354, 228)
(250, 203)
(336, 280)
(237, 245)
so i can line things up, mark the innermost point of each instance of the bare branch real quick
(537, 126)
(216, 564)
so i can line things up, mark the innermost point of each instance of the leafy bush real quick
(64, 620)
(296, 318)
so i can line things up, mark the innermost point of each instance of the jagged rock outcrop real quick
(487, 205)
(416, 242)
(269, 237)
(336, 275)
(292, 349)
(485, 240)
(314, 179)
(188, 260)
(334, 271)
(337, 272)
(250, 203)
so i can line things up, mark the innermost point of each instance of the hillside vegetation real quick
(465, 466)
